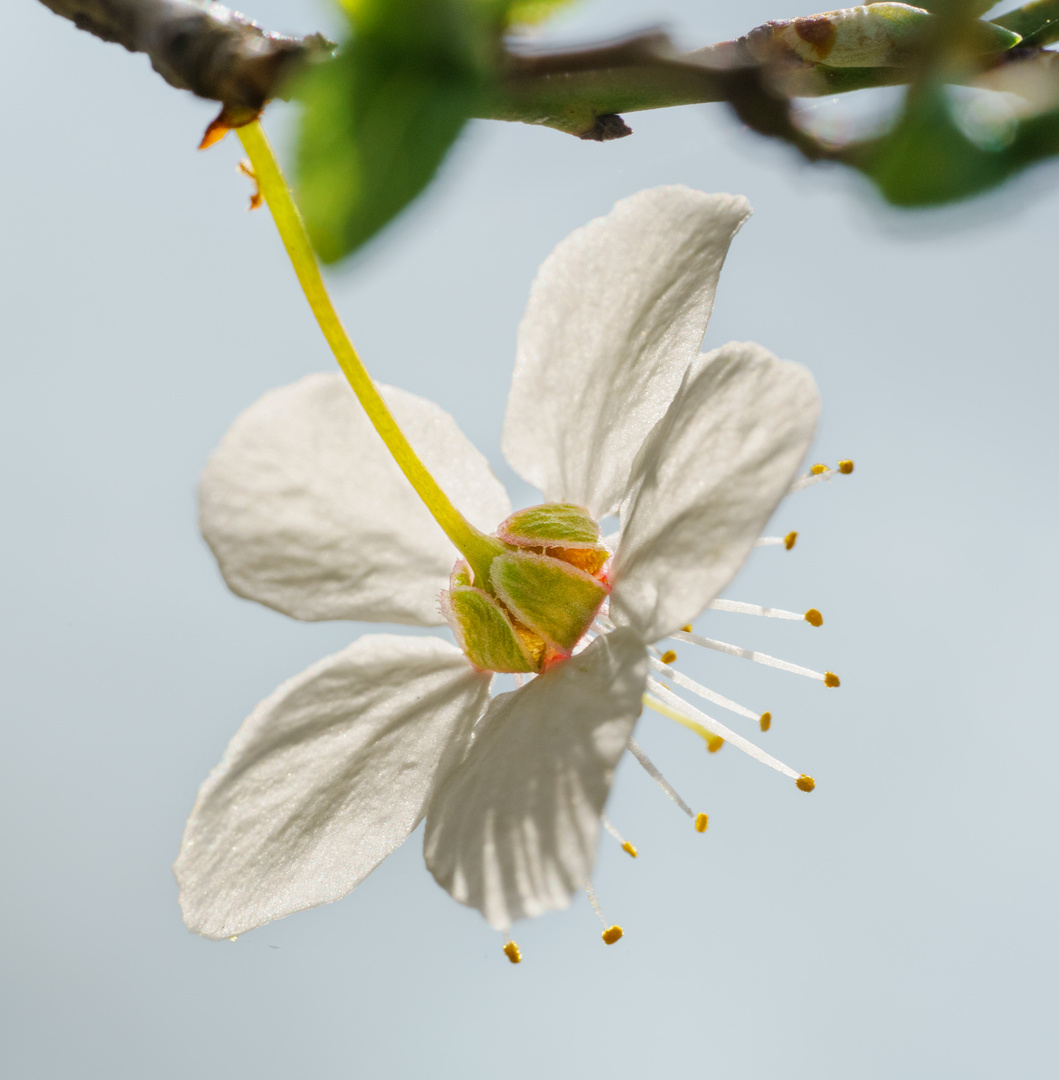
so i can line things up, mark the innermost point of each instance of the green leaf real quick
(533, 12)
(380, 118)
(928, 160)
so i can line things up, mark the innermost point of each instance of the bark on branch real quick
(198, 46)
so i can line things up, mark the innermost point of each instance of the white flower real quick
(611, 409)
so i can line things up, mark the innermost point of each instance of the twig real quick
(199, 46)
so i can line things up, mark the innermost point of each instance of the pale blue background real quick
(899, 922)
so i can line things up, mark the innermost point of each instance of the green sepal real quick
(561, 525)
(553, 598)
(461, 575)
(484, 632)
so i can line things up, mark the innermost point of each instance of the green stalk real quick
(477, 548)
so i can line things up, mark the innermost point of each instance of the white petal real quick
(324, 779)
(706, 482)
(513, 830)
(615, 316)
(307, 512)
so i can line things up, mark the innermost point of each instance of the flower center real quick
(544, 588)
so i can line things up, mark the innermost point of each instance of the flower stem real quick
(475, 546)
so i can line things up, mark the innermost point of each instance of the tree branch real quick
(199, 46)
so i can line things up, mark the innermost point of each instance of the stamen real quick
(594, 901)
(625, 845)
(677, 709)
(702, 691)
(828, 678)
(812, 616)
(701, 821)
(787, 541)
(820, 472)
(668, 657)
(610, 933)
(512, 952)
(687, 629)
(765, 721)
(713, 741)
(653, 772)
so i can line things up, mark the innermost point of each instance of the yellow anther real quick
(845, 467)
(831, 679)
(612, 934)
(234, 937)
(629, 848)
(765, 721)
(816, 470)
(805, 783)
(790, 540)
(668, 656)
(814, 618)
(686, 629)
(701, 821)
(511, 950)
(714, 743)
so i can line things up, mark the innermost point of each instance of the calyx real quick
(543, 592)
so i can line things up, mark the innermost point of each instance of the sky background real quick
(897, 922)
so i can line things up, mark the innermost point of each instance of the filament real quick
(655, 774)
(702, 691)
(738, 607)
(787, 541)
(625, 844)
(701, 723)
(828, 678)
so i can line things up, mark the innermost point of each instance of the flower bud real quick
(873, 35)
(542, 594)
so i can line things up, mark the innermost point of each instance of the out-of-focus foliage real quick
(532, 12)
(930, 158)
(380, 118)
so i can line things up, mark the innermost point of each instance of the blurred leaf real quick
(1037, 22)
(971, 8)
(380, 118)
(928, 160)
(532, 12)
